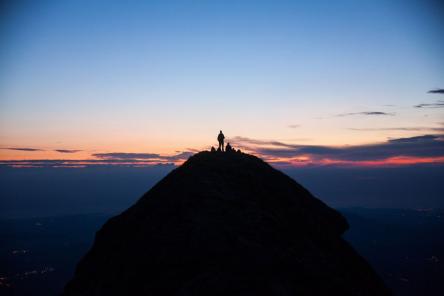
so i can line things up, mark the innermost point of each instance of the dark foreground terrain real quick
(242, 213)
(406, 248)
(225, 223)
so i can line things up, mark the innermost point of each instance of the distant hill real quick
(225, 224)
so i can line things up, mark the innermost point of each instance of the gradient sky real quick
(160, 78)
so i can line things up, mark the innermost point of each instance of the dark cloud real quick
(436, 91)
(180, 156)
(417, 139)
(74, 163)
(242, 141)
(193, 150)
(67, 150)
(421, 146)
(36, 149)
(143, 156)
(126, 156)
(369, 113)
(437, 104)
(22, 149)
(111, 159)
(436, 129)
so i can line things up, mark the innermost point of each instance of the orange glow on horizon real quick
(84, 158)
(391, 161)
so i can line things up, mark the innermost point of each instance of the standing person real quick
(221, 138)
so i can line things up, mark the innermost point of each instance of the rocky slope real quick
(225, 224)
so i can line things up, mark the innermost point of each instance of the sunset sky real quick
(296, 82)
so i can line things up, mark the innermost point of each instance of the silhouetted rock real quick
(225, 224)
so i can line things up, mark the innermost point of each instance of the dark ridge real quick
(225, 223)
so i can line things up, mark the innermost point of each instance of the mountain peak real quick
(225, 223)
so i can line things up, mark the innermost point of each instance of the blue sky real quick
(165, 76)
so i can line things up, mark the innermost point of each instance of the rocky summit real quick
(225, 223)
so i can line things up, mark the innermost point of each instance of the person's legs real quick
(223, 149)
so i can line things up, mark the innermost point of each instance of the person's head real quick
(220, 132)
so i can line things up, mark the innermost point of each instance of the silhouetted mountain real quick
(225, 224)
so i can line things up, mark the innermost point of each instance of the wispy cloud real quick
(190, 150)
(67, 150)
(416, 149)
(436, 91)
(100, 159)
(180, 156)
(126, 156)
(80, 163)
(437, 104)
(143, 156)
(22, 149)
(294, 126)
(38, 149)
(366, 113)
(436, 129)
(238, 140)
(428, 148)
